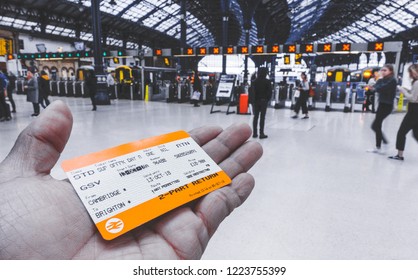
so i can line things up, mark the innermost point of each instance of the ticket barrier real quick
(137, 90)
(62, 88)
(163, 91)
(20, 86)
(125, 91)
(54, 87)
(280, 96)
(70, 88)
(184, 93)
(292, 92)
(78, 88)
(209, 95)
(172, 93)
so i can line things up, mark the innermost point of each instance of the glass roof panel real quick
(387, 19)
(304, 15)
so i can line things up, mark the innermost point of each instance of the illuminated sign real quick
(286, 59)
(343, 47)
(214, 50)
(6, 46)
(324, 47)
(243, 50)
(230, 50)
(290, 48)
(202, 51)
(306, 48)
(167, 61)
(273, 49)
(375, 47)
(257, 49)
(298, 58)
(188, 51)
(158, 52)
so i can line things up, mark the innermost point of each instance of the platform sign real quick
(257, 49)
(215, 50)
(273, 49)
(230, 50)
(6, 46)
(242, 50)
(286, 59)
(375, 47)
(298, 58)
(202, 51)
(158, 52)
(343, 47)
(327, 47)
(290, 48)
(306, 48)
(226, 85)
(188, 51)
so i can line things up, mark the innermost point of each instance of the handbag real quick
(196, 95)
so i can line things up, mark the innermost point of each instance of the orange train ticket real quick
(126, 186)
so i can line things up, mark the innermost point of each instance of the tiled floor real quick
(318, 194)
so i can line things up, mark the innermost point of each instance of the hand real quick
(43, 218)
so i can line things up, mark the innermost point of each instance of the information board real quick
(226, 85)
(6, 46)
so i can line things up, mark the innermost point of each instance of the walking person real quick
(44, 90)
(32, 91)
(91, 86)
(197, 90)
(4, 107)
(385, 87)
(262, 95)
(10, 88)
(410, 120)
(303, 97)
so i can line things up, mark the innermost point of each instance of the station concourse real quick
(318, 194)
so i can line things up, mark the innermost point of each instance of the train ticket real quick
(126, 186)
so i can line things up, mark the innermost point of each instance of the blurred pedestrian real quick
(303, 97)
(44, 89)
(385, 87)
(262, 95)
(32, 92)
(410, 121)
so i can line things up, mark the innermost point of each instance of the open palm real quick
(43, 218)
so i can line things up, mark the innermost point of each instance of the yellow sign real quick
(6, 46)
(400, 103)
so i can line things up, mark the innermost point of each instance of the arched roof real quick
(156, 23)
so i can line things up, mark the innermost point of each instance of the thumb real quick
(39, 145)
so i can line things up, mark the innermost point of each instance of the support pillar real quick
(102, 96)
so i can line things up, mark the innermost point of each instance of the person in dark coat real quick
(197, 87)
(262, 95)
(44, 89)
(386, 89)
(91, 86)
(10, 88)
(4, 109)
(32, 93)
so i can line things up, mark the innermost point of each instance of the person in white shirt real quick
(111, 83)
(303, 97)
(410, 121)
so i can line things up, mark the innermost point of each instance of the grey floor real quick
(318, 194)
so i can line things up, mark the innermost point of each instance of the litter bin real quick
(243, 103)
